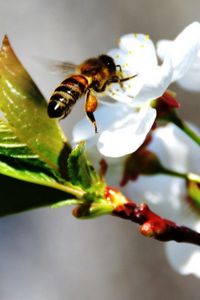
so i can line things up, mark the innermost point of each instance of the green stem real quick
(70, 189)
(94, 210)
(187, 176)
(183, 126)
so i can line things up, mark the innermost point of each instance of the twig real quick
(154, 226)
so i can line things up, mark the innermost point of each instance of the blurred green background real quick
(47, 254)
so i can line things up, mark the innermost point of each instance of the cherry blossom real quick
(191, 79)
(123, 126)
(167, 195)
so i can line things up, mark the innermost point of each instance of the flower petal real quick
(120, 58)
(163, 47)
(105, 115)
(154, 82)
(119, 94)
(167, 195)
(184, 258)
(126, 94)
(161, 192)
(183, 50)
(128, 133)
(136, 56)
(191, 80)
(175, 149)
(147, 86)
(140, 47)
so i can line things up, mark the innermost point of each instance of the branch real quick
(154, 226)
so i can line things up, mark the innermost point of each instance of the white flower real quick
(122, 129)
(167, 195)
(191, 79)
(123, 126)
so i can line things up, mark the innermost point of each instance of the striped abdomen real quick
(66, 95)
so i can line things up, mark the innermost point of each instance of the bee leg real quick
(125, 79)
(115, 79)
(91, 103)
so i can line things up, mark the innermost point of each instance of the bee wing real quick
(57, 66)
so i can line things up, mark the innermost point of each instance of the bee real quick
(92, 76)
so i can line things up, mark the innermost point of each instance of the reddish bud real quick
(142, 162)
(103, 167)
(81, 210)
(154, 228)
(169, 98)
(166, 104)
(115, 197)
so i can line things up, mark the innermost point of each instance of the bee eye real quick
(55, 109)
(108, 62)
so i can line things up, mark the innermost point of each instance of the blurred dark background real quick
(46, 253)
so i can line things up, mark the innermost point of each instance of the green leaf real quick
(14, 200)
(10, 145)
(33, 149)
(18, 196)
(83, 174)
(19, 170)
(12, 148)
(25, 109)
(17, 160)
(80, 171)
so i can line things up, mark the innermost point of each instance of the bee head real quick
(56, 109)
(108, 62)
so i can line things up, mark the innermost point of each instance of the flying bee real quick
(90, 77)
